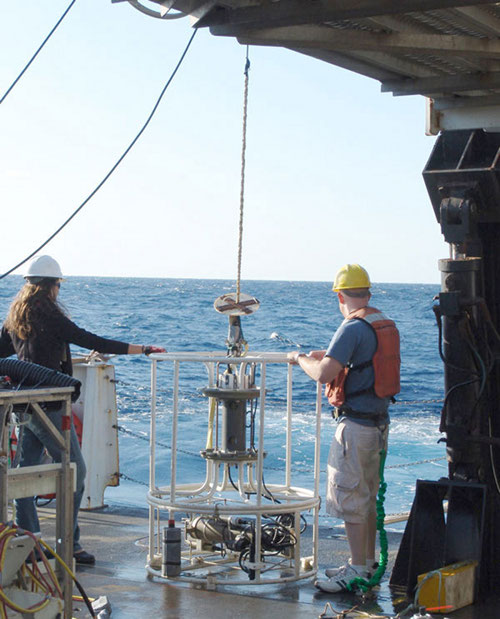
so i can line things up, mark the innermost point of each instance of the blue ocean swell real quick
(179, 314)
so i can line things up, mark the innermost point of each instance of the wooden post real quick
(4, 461)
(64, 483)
(67, 496)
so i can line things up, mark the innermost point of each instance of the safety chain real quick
(159, 443)
(402, 466)
(396, 403)
(305, 407)
(136, 481)
(242, 188)
(195, 454)
(270, 468)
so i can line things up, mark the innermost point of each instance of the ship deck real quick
(117, 535)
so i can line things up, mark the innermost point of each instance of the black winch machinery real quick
(463, 180)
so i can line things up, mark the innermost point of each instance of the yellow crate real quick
(450, 587)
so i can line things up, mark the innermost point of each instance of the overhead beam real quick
(299, 12)
(351, 63)
(443, 84)
(323, 37)
(395, 64)
(462, 118)
(443, 103)
(381, 67)
(481, 19)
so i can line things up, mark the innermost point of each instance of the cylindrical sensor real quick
(171, 550)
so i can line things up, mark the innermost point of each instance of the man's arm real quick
(321, 370)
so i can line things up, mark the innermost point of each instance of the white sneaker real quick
(331, 572)
(339, 582)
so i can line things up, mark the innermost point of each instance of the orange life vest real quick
(386, 361)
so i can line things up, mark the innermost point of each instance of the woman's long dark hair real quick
(32, 303)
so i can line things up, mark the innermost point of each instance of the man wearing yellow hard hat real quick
(360, 369)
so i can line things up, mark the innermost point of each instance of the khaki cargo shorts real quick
(353, 470)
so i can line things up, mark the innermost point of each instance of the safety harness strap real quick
(343, 411)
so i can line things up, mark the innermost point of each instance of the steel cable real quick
(37, 51)
(127, 150)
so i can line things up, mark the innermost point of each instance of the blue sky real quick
(333, 166)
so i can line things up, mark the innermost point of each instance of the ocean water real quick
(178, 314)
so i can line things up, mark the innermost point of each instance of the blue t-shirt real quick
(354, 343)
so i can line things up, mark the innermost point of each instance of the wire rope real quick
(115, 166)
(37, 51)
(242, 185)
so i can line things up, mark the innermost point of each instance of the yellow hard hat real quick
(351, 276)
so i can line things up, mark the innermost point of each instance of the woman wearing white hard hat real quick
(38, 330)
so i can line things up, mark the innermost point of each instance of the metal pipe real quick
(241, 483)
(317, 469)
(225, 478)
(152, 427)
(67, 500)
(260, 469)
(175, 420)
(152, 445)
(260, 451)
(4, 460)
(288, 457)
(296, 548)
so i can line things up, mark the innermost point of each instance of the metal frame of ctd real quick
(217, 496)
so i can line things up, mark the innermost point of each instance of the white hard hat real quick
(44, 266)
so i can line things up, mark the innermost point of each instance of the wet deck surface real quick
(117, 535)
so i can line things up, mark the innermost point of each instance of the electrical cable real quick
(122, 157)
(488, 319)
(8, 532)
(485, 370)
(281, 535)
(440, 345)
(37, 51)
(269, 493)
(43, 503)
(452, 389)
(72, 575)
(492, 458)
(231, 479)
(489, 322)
(484, 373)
